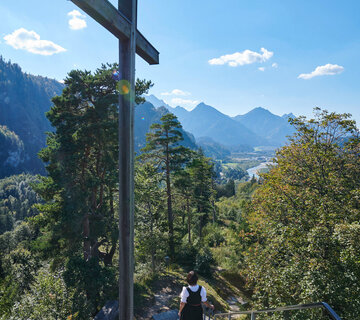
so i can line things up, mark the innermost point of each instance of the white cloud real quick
(275, 65)
(176, 92)
(30, 41)
(326, 70)
(186, 103)
(77, 20)
(242, 58)
(261, 68)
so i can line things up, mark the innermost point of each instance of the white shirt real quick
(184, 293)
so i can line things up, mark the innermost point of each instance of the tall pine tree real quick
(202, 174)
(169, 156)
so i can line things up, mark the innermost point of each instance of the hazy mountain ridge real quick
(255, 128)
(267, 125)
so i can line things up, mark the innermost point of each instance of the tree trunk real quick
(109, 256)
(152, 236)
(86, 235)
(169, 205)
(214, 210)
(189, 218)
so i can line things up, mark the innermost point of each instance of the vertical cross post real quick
(127, 49)
(122, 23)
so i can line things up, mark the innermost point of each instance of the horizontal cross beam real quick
(110, 18)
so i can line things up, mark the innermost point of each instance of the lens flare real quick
(123, 87)
(116, 75)
(142, 118)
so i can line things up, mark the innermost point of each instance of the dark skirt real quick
(192, 313)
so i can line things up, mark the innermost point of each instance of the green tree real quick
(184, 187)
(305, 219)
(150, 231)
(47, 299)
(169, 156)
(17, 198)
(202, 174)
(18, 266)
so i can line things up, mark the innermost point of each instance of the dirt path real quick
(166, 289)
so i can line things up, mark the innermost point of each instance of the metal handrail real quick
(253, 313)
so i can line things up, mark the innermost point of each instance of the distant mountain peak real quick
(202, 107)
(288, 115)
(156, 102)
(260, 110)
(179, 108)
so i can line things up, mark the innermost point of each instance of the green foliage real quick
(225, 190)
(236, 173)
(12, 154)
(203, 193)
(18, 265)
(142, 87)
(150, 221)
(213, 235)
(47, 298)
(234, 208)
(166, 154)
(203, 262)
(17, 198)
(92, 282)
(304, 220)
(79, 213)
(186, 256)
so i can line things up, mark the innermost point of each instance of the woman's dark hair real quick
(192, 278)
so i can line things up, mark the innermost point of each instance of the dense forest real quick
(291, 237)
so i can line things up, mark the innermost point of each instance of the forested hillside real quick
(24, 99)
(12, 152)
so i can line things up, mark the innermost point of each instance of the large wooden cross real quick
(122, 23)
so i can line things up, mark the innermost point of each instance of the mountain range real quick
(259, 127)
(24, 100)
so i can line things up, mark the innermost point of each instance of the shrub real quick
(203, 262)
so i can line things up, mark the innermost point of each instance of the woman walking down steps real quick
(191, 299)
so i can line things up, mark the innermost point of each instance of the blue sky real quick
(286, 56)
